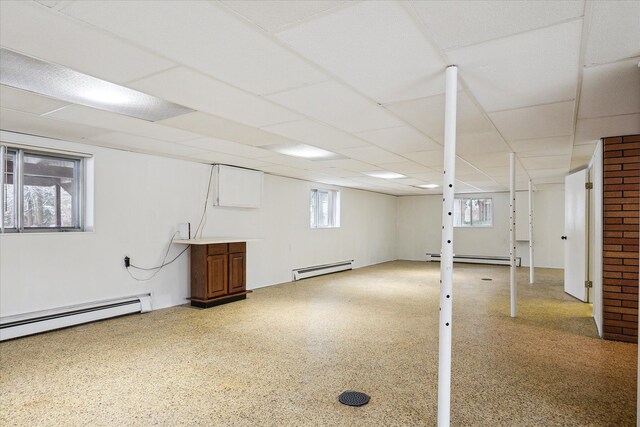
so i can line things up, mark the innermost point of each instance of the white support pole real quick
(446, 258)
(512, 232)
(532, 274)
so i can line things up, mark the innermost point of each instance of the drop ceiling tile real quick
(547, 172)
(607, 89)
(49, 3)
(228, 147)
(545, 162)
(405, 168)
(554, 146)
(349, 164)
(32, 124)
(614, 31)
(373, 155)
(199, 92)
(403, 139)
(432, 158)
(27, 102)
(433, 177)
(119, 123)
(46, 34)
(229, 159)
(342, 173)
(338, 106)
(376, 47)
(144, 145)
(218, 127)
(294, 162)
(273, 15)
(496, 171)
(408, 181)
(464, 168)
(205, 36)
(584, 151)
(316, 134)
(531, 68)
(540, 121)
(486, 142)
(427, 114)
(487, 20)
(591, 130)
(485, 160)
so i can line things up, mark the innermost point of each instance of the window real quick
(40, 191)
(325, 208)
(473, 213)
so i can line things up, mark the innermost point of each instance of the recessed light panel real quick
(304, 151)
(55, 81)
(385, 175)
(427, 186)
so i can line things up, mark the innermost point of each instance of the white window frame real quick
(79, 211)
(333, 219)
(457, 219)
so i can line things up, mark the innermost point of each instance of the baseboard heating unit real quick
(319, 270)
(477, 259)
(48, 320)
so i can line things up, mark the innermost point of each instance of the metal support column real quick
(446, 258)
(532, 274)
(512, 233)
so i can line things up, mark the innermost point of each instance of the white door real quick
(575, 234)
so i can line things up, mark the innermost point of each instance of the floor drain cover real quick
(487, 279)
(353, 398)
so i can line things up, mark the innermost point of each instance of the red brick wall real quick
(620, 228)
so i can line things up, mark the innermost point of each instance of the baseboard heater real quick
(478, 259)
(48, 320)
(319, 270)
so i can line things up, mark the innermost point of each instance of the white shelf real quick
(214, 240)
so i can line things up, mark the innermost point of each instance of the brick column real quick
(620, 228)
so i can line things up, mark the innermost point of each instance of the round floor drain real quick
(353, 398)
(487, 279)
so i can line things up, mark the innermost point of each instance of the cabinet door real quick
(237, 267)
(217, 276)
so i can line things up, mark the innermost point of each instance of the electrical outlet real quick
(127, 262)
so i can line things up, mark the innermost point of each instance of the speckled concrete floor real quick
(281, 357)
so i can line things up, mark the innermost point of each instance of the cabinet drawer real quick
(237, 247)
(217, 249)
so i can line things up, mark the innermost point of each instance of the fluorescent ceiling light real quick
(303, 150)
(427, 186)
(55, 81)
(385, 175)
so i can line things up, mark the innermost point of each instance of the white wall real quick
(139, 201)
(420, 225)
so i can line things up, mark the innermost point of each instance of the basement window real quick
(473, 212)
(325, 208)
(40, 190)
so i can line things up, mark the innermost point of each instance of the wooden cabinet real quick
(218, 273)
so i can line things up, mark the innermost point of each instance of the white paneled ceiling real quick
(611, 89)
(455, 24)
(531, 68)
(185, 87)
(614, 32)
(273, 15)
(374, 46)
(540, 121)
(38, 31)
(364, 80)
